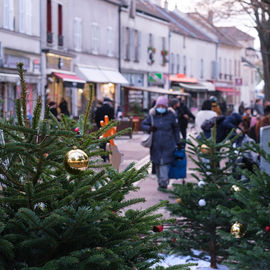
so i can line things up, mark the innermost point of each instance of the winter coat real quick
(225, 127)
(64, 108)
(165, 138)
(201, 116)
(182, 120)
(105, 109)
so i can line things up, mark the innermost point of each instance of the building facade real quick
(19, 42)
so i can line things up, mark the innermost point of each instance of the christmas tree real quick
(251, 213)
(68, 215)
(196, 204)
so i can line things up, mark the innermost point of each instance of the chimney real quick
(210, 16)
(166, 4)
(132, 8)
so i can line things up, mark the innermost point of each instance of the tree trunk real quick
(213, 251)
(266, 72)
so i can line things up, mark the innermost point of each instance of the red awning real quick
(182, 78)
(228, 90)
(69, 77)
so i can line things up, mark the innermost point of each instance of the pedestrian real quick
(224, 125)
(105, 109)
(175, 106)
(205, 113)
(184, 115)
(64, 107)
(165, 138)
(264, 121)
(258, 107)
(53, 108)
(241, 108)
(215, 106)
(223, 106)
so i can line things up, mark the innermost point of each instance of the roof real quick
(148, 8)
(183, 26)
(235, 33)
(222, 36)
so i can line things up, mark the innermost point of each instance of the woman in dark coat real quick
(165, 138)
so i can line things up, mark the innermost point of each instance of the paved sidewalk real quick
(133, 152)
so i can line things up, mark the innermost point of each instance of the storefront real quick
(101, 83)
(10, 88)
(198, 90)
(62, 83)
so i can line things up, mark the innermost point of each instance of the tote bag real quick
(178, 168)
(147, 140)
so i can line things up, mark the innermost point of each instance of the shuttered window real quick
(77, 34)
(49, 16)
(28, 17)
(110, 43)
(95, 38)
(8, 14)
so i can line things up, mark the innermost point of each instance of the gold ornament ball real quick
(178, 200)
(238, 230)
(76, 161)
(235, 188)
(205, 149)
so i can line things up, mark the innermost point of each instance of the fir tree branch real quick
(7, 175)
(23, 91)
(87, 112)
(19, 112)
(36, 114)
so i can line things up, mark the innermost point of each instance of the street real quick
(132, 151)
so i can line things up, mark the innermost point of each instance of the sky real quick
(243, 23)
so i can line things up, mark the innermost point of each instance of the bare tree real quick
(259, 12)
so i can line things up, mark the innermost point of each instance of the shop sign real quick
(36, 65)
(155, 79)
(238, 81)
(12, 60)
(135, 96)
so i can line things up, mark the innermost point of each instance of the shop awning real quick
(195, 87)
(157, 90)
(70, 80)
(230, 91)
(181, 78)
(7, 77)
(114, 76)
(92, 75)
(210, 86)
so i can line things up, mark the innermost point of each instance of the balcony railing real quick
(60, 40)
(49, 37)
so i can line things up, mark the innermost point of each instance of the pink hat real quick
(162, 100)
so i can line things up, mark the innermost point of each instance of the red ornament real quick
(174, 240)
(267, 228)
(158, 228)
(77, 130)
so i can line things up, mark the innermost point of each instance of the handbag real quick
(178, 167)
(147, 140)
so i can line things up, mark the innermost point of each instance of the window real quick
(230, 69)
(239, 68)
(201, 69)
(95, 38)
(184, 42)
(137, 45)
(235, 67)
(126, 43)
(191, 67)
(150, 40)
(184, 65)
(110, 41)
(220, 67)
(28, 17)
(25, 16)
(22, 16)
(177, 63)
(60, 20)
(225, 69)
(49, 16)
(77, 34)
(172, 63)
(8, 14)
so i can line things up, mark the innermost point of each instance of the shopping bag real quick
(178, 168)
(147, 141)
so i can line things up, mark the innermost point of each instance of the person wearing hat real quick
(105, 109)
(165, 138)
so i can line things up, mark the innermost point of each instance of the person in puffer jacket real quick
(165, 138)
